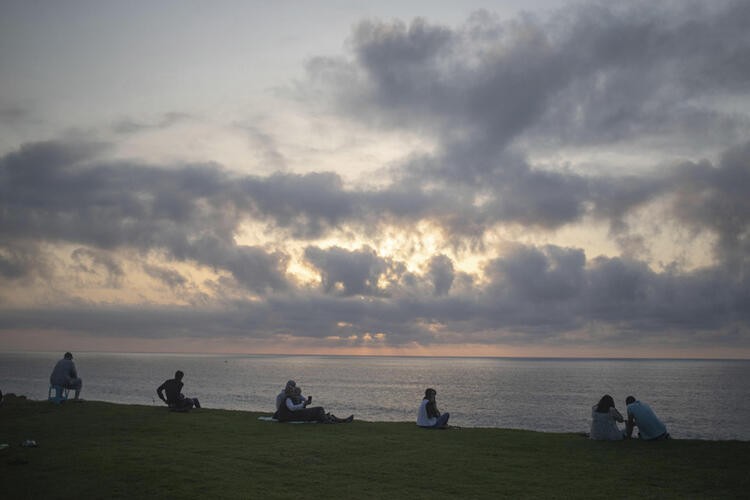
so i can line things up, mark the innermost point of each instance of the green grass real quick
(102, 450)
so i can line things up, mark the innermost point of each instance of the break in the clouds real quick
(584, 188)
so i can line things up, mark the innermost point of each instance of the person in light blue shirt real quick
(641, 415)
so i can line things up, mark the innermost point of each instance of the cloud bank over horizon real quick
(561, 184)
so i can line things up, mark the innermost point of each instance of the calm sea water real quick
(697, 399)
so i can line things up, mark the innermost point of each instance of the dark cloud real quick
(348, 272)
(534, 295)
(714, 198)
(595, 74)
(169, 277)
(58, 193)
(19, 260)
(308, 205)
(441, 274)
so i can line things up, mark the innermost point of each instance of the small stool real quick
(60, 394)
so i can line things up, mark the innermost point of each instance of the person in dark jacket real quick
(175, 399)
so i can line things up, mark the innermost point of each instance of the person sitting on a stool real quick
(66, 376)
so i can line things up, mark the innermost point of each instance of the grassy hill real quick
(103, 450)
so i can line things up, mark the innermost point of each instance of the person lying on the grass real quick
(295, 409)
(175, 399)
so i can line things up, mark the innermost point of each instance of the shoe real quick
(348, 419)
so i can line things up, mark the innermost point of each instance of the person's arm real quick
(160, 392)
(616, 415)
(294, 407)
(73, 371)
(432, 410)
(629, 425)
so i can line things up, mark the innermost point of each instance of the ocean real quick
(697, 399)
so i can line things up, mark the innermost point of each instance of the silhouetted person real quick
(428, 415)
(604, 418)
(174, 397)
(65, 375)
(641, 415)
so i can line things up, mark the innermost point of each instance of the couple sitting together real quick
(604, 418)
(291, 406)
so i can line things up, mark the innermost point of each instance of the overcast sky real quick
(512, 178)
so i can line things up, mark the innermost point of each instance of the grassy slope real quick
(102, 450)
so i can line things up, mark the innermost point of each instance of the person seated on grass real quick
(281, 397)
(604, 418)
(174, 397)
(295, 409)
(65, 375)
(640, 415)
(428, 415)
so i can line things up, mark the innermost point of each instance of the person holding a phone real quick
(297, 409)
(428, 415)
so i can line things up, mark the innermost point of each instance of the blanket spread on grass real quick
(271, 419)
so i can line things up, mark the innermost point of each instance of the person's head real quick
(629, 399)
(605, 404)
(290, 383)
(178, 375)
(430, 393)
(291, 390)
(68, 355)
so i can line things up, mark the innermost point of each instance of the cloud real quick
(58, 193)
(441, 274)
(94, 261)
(714, 198)
(169, 277)
(19, 260)
(347, 272)
(535, 295)
(12, 115)
(595, 71)
(493, 97)
(491, 92)
(127, 126)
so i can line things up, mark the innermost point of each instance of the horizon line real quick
(197, 353)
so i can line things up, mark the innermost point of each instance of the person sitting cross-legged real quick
(428, 415)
